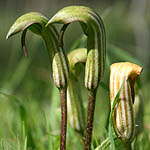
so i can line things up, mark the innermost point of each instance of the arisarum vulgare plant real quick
(36, 22)
(124, 74)
(122, 77)
(93, 27)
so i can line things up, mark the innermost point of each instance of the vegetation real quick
(30, 103)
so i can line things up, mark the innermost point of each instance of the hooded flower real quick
(123, 117)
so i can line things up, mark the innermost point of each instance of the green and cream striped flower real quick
(123, 117)
(36, 22)
(93, 27)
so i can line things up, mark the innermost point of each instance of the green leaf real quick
(79, 43)
(104, 86)
(10, 97)
(106, 143)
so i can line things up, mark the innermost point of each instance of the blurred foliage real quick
(30, 107)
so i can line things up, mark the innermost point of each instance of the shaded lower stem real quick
(90, 119)
(127, 144)
(63, 118)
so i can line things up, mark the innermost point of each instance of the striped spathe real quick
(123, 118)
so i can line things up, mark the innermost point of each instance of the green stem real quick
(127, 144)
(77, 104)
(90, 119)
(63, 118)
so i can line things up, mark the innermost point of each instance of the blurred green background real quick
(37, 110)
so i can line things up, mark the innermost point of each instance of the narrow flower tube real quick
(123, 118)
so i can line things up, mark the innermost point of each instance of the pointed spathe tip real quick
(49, 22)
(7, 36)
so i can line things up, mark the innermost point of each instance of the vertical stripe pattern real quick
(59, 62)
(36, 23)
(93, 27)
(123, 118)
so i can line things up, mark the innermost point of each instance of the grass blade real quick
(110, 118)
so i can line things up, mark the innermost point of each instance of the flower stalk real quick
(63, 97)
(90, 119)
